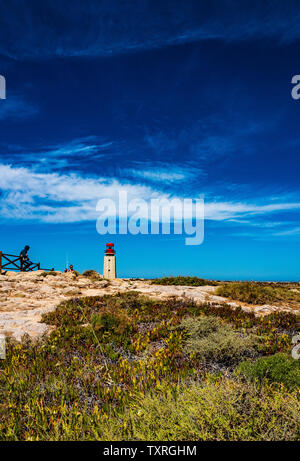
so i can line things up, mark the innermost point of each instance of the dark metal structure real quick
(16, 263)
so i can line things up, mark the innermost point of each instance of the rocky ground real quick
(24, 297)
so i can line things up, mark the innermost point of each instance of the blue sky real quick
(176, 98)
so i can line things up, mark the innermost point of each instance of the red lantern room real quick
(110, 249)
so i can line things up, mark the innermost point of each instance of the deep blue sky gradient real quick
(178, 98)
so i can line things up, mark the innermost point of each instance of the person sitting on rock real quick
(25, 261)
(69, 270)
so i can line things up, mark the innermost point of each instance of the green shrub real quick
(181, 280)
(248, 292)
(213, 340)
(257, 293)
(67, 313)
(278, 368)
(92, 274)
(117, 322)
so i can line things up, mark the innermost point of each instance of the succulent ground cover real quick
(126, 367)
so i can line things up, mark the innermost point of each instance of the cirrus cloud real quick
(60, 198)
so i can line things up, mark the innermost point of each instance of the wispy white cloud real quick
(52, 197)
(221, 211)
(163, 174)
(71, 153)
(56, 198)
(58, 156)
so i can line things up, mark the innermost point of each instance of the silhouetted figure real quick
(24, 257)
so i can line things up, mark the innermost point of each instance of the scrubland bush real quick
(249, 292)
(221, 410)
(92, 274)
(181, 280)
(257, 293)
(116, 322)
(278, 368)
(209, 338)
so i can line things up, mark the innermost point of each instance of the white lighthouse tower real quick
(109, 266)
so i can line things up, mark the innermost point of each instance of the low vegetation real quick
(212, 340)
(278, 368)
(126, 367)
(45, 274)
(213, 409)
(259, 293)
(92, 274)
(185, 281)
